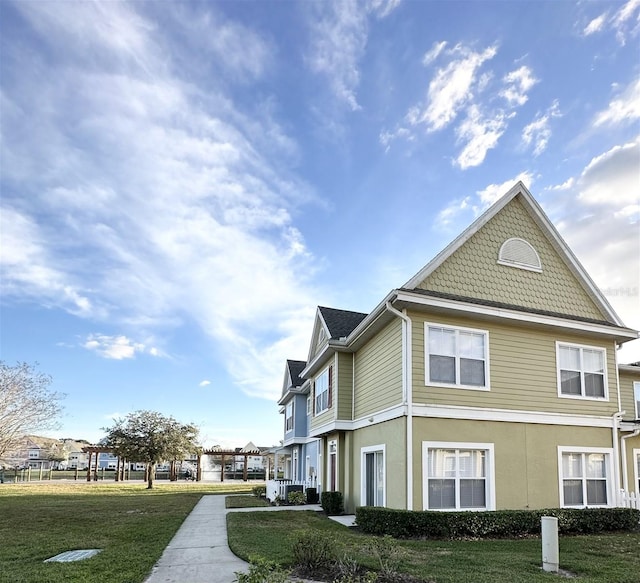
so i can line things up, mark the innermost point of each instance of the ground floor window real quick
(458, 476)
(585, 476)
(373, 476)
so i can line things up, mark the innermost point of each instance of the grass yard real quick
(131, 524)
(611, 558)
(245, 502)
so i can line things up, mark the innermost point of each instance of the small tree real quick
(150, 437)
(27, 404)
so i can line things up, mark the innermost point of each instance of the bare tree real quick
(26, 403)
(150, 437)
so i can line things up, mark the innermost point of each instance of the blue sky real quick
(184, 182)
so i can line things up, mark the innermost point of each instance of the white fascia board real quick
(330, 427)
(294, 441)
(624, 334)
(629, 368)
(513, 416)
(380, 416)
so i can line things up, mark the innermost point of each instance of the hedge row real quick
(493, 524)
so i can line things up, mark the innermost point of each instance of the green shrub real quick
(263, 571)
(259, 491)
(313, 551)
(493, 524)
(332, 503)
(296, 498)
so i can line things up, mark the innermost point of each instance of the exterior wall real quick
(522, 366)
(378, 371)
(526, 456)
(627, 378)
(330, 414)
(473, 271)
(300, 416)
(343, 390)
(392, 434)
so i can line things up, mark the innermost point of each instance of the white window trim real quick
(490, 472)
(636, 398)
(315, 394)
(487, 375)
(363, 489)
(636, 473)
(331, 442)
(561, 395)
(608, 452)
(288, 417)
(309, 407)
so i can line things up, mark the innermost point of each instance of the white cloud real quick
(204, 383)
(597, 214)
(480, 135)
(625, 108)
(434, 52)
(177, 206)
(538, 132)
(339, 32)
(625, 22)
(517, 85)
(596, 25)
(116, 347)
(454, 215)
(450, 89)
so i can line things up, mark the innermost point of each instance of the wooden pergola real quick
(233, 453)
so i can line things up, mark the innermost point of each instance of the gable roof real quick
(340, 323)
(562, 250)
(295, 367)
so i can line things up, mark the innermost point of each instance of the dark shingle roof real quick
(340, 322)
(295, 368)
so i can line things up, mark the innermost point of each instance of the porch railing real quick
(628, 500)
(278, 489)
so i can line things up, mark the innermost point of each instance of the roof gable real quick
(292, 379)
(472, 265)
(332, 324)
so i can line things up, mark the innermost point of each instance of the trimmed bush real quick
(259, 491)
(312, 496)
(332, 503)
(493, 524)
(296, 498)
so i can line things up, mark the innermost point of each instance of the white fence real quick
(628, 500)
(279, 487)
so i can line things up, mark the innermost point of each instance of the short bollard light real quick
(550, 552)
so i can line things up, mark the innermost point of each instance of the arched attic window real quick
(519, 253)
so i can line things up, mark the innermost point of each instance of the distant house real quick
(489, 380)
(33, 451)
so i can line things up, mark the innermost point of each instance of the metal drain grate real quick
(70, 556)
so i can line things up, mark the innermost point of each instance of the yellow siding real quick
(330, 414)
(522, 368)
(378, 371)
(344, 385)
(473, 270)
(526, 456)
(626, 392)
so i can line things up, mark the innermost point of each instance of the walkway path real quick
(199, 551)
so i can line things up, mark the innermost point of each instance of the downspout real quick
(407, 392)
(623, 454)
(616, 450)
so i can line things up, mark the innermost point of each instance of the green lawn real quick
(133, 526)
(593, 559)
(245, 502)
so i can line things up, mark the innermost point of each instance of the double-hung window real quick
(456, 357)
(581, 371)
(585, 477)
(323, 391)
(288, 423)
(459, 476)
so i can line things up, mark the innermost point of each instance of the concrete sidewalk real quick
(199, 551)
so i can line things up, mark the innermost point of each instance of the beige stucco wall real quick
(522, 369)
(378, 371)
(473, 270)
(393, 435)
(526, 456)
